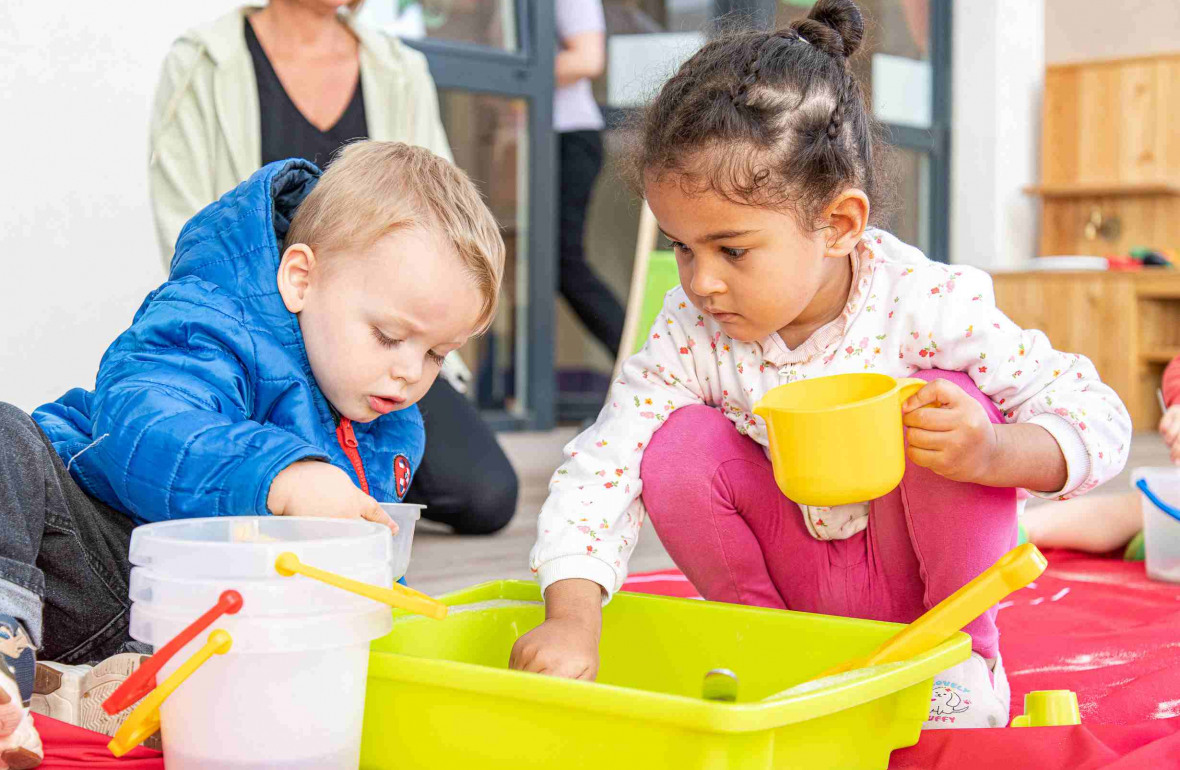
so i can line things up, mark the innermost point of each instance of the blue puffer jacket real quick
(209, 394)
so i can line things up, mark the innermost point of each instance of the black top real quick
(285, 132)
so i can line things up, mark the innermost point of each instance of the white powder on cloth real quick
(1085, 662)
(1167, 710)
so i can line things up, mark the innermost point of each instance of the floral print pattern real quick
(904, 313)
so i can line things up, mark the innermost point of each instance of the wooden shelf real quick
(1160, 356)
(1102, 190)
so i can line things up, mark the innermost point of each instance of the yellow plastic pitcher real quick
(837, 440)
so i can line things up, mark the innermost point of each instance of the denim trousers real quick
(63, 555)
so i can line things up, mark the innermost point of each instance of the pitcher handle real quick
(908, 386)
(1142, 485)
(145, 719)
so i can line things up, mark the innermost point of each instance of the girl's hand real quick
(953, 437)
(558, 647)
(1170, 430)
(566, 644)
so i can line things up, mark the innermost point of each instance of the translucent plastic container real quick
(275, 596)
(406, 515)
(289, 694)
(247, 546)
(1161, 527)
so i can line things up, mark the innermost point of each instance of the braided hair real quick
(769, 118)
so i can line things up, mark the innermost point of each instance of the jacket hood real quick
(236, 242)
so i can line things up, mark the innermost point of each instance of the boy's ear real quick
(294, 277)
(845, 221)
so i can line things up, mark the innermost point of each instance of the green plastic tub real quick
(440, 694)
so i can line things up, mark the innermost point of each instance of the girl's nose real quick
(705, 282)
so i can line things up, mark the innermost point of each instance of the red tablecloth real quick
(1093, 625)
(67, 746)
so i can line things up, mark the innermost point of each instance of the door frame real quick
(525, 73)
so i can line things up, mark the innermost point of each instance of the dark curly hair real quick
(771, 119)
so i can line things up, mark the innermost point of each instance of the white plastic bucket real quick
(1160, 488)
(290, 692)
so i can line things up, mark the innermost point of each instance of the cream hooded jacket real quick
(205, 131)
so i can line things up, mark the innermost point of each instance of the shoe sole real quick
(19, 759)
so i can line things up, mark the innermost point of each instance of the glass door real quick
(492, 61)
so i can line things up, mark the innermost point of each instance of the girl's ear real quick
(294, 277)
(845, 220)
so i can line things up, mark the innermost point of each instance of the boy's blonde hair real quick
(372, 189)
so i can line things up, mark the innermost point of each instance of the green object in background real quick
(1021, 534)
(662, 277)
(1134, 550)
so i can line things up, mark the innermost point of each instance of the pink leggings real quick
(711, 495)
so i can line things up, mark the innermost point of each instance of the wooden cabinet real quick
(1128, 324)
(1110, 156)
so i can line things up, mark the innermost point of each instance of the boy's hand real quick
(314, 488)
(1170, 430)
(954, 437)
(566, 644)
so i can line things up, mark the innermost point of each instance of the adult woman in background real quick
(298, 79)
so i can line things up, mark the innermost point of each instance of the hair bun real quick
(835, 27)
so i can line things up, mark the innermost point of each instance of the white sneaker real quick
(967, 695)
(74, 694)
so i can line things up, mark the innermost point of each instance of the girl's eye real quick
(680, 248)
(733, 253)
(384, 340)
(435, 357)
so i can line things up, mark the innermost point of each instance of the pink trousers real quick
(711, 496)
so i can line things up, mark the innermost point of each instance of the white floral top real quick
(904, 313)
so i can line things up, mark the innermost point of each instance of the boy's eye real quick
(680, 248)
(733, 253)
(385, 340)
(435, 357)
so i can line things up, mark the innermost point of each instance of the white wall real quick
(997, 83)
(1077, 30)
(77, 248)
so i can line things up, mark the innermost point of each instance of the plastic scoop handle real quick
(1015, 569)
(1155, 500)
(141, 682)
(399, 596)
(144, 721)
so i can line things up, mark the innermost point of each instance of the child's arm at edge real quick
(566, 644)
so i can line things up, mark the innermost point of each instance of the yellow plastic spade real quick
(399, 596)
(1015, 569)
